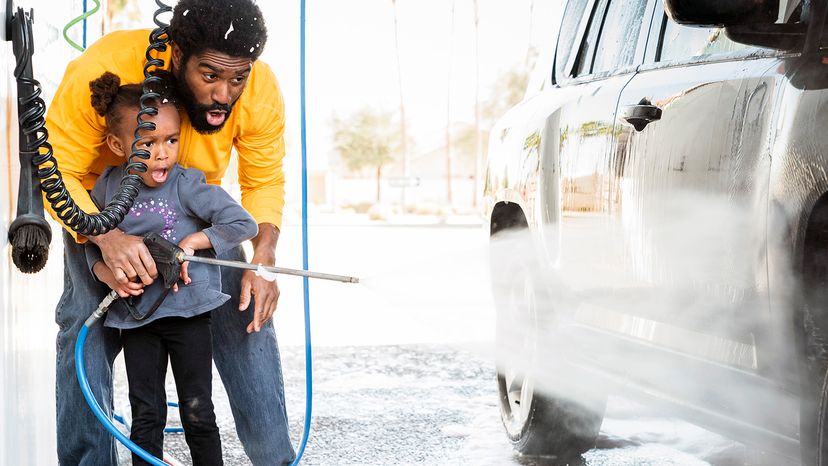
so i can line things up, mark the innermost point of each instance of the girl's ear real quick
(115, 145)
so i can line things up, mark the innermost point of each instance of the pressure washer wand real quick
(181, 257)
(168, 258)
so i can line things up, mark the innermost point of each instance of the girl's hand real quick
(124, 290)
(183, 275)
(190, 244)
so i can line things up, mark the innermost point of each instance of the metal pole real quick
(281, 270)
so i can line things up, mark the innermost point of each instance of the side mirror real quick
(720, 13)
(751, 22)
(790, 37)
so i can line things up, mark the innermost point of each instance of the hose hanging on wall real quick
(30, 234)
(74, 21)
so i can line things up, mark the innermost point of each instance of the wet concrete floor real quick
(390, 390)
(430, 404)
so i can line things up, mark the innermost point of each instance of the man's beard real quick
(198, 112)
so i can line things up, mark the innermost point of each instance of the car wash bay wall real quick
(27, 302)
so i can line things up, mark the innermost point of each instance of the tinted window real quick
(569, 28)
(684, 42)
(619, 36)
(591, 40)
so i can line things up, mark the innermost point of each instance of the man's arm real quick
(126, 256)
(264, 244)
(266, 292)
(77, 135)
(261, 150)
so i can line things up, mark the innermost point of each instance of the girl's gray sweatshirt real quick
(184, 204)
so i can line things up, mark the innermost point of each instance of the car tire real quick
(814, 376)
(812, 331)
(537, 422)
(550, 427)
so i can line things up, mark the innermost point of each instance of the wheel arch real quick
(507, 216)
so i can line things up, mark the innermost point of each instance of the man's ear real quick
(177, 54)
(115, 145)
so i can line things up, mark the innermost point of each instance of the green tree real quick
(366, 139)
(507, 91)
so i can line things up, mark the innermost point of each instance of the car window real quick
(684, 42)
(619, 36)
(591, 39)
(569, 29)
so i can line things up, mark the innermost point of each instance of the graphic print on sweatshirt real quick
(160, 207)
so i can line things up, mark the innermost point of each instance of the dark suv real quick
(671, 174)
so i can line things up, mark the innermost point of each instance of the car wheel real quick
(812, 326)
(537, 422)
(814, 401)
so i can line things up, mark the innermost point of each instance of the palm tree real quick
(477, 143)
(403, 129)
(448, 112)
(528, 59)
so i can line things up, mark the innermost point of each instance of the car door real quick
(692, 164)
(612, 38)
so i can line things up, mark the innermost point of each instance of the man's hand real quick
(265, 292)
(124, 290)
(126, 256)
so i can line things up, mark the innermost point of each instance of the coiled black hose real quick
(33, 123)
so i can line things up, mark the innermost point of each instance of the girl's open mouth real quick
(159, 175)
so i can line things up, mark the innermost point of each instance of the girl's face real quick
(162, 143)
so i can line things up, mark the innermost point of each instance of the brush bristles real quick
(30, 248)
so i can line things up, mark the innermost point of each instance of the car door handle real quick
(641, 115)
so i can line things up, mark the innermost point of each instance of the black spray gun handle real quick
(167, 257)
(164, 253)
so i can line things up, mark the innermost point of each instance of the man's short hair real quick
(234, 27)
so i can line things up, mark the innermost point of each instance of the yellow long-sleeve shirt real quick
(255, 128)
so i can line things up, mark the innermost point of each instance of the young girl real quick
(179, 205)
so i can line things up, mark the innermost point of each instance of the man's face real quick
(210, 82)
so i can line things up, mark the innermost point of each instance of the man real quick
(232, 101)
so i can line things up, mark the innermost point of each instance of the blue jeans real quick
(248, 364)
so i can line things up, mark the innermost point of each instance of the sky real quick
(351, 61)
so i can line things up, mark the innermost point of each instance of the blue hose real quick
(167, 430)
(84, 24)
(74, 21)
(80, 370)
(305, 284)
